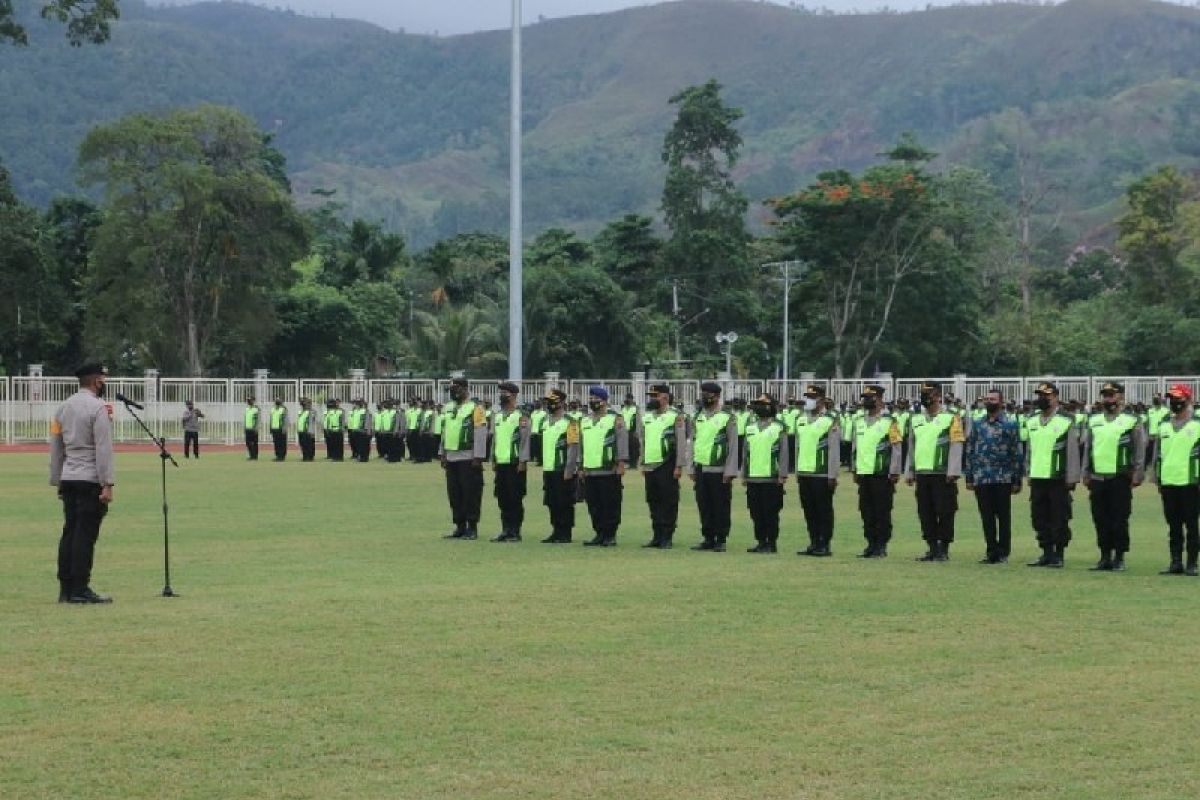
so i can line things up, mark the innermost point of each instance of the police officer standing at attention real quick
(359, 426)
(463, 449)
(1114, 459)
(715, 463)
(604, 451)
(251, 420)
(629, 413)
(334, 426)
(560, 463)
(818, 453)
(875, 459)
(935, 445)
(663, 440)
(191, 429)
(306, 430)
(510, 457)
(1177, 473)
(765, 472)
(81, 466)
(1052, 466)
(279, 417)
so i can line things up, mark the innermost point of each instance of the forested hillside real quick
(410, 130)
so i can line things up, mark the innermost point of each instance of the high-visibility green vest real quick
(762, 450)
(1179, 453)
(1048, 445)
(1023, 427)
(437, 421)
(302, 420)
(507, 442)
(428, 419)
(743, 422)
(554, 443)
(378, 418)
(537, 420)
(413, 417)
(903, 421)
(659, 428)
(978, 414)
(277, 415)
(358, 418)
(251, 418)
(712, 445)
(333, 420)
(931, 441)
(787, 418)
(812, 444)
(629, 414)
(873, 445)
(458, 422)
(1111, 447)
(599, 441)
(1155, 417)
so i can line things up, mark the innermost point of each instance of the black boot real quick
(1105, 564)
(943, 551)
(1118, 562)
(931, 553)
(457, 533)
(1191, 567)
(719, 546)
(470, 534)
(595, 541)
(86, 596)
(1176, 567)
(1046, 560)
(64, 591)
(705, 545)
(1058, 557)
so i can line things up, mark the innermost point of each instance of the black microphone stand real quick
(163, 457)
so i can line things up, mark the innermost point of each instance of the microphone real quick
(123, 399)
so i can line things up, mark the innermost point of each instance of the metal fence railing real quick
(27, 403)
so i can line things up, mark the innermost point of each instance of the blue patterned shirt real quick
(994, 452)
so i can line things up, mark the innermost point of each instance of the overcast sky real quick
(464, 16)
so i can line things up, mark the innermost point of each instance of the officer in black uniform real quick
(510, 458)
(462, 451)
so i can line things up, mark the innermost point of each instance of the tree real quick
(363, 252)
(578, 322)
(87, 21)
(457, 339)
(628, 251)
(197, 238)
(1153, 237)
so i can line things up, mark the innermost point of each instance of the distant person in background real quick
(191, 429)
(279, 420)
(81, 466)
(251, 429)
(306, 430)
(334, 425)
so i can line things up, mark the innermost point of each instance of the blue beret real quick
(599, 391)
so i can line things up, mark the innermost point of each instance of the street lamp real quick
(728, 339)
(788, 280)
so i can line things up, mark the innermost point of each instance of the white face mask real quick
(810, 404)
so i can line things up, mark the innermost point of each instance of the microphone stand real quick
(163, 457)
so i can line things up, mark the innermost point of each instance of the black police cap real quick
(710, 387)
(90, 369)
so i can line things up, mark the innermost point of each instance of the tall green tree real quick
(87, 21)
(629, 252)
(198, 236)
(1154, 236)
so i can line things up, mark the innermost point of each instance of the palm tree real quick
(456, 339)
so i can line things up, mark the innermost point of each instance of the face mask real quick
(506, 400)
(1110, 405)
(1043, 402)
(809, 404)
(595, 405)
(1178, 405)
(762, 411)
(709, 400)
(652, 405)
(926, 399)
(99, 390)
(991, 408)
(869, 403)
(552, 405)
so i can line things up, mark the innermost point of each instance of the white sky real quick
(448, 17)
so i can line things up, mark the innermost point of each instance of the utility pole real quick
(516, 267)
(788, 280)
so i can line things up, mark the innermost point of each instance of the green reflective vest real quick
(554, 442)
(428, 420)
(712, 445)
(598, 439)
(762, 450)
(506, 445)
(812, 444)
(333, 420)
(1048, 445)
(302, 420)
(1111, 443)
(251, 418)
(413, 417)
(379, 420)
(903, 421)
(437, 420)
(659, 427)
(537, 420)
(358, 419)
(458, 423)
(931, 441)
(743, 422)
(873, 444)
(1155, 417)
(629, 414)
(1179, 453)
(277, 415)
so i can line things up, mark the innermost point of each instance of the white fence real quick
(28, 403)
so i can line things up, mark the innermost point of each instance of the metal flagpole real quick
(515, 244)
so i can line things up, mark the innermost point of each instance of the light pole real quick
(728, 339)
(516, 265)
(787, 267)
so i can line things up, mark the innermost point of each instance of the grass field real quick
(329, 644)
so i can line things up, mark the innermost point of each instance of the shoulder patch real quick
(956, 431)
(894, 435)
(479, 417)
(55, 427)
(573, 432)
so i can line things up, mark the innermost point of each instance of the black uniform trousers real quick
(82, 514)
(662, 496)
(1181, 507)
(429, 446)
(1112, 503)
(308, 446)
(816, 500)
(510, 496)
(558, 495)
(1050, 510)
(876, 493)
(191, 440)
(765, 501)
(995, 514)
(464, 490)
(279, 439)
(335, 445)
(252, 443)
(937, 503)
(399, 441)
(604, 494)
(713, 499)
(360, 445)
(382, 441)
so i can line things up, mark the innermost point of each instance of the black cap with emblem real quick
(90, 369)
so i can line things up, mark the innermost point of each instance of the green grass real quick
(329, 644)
